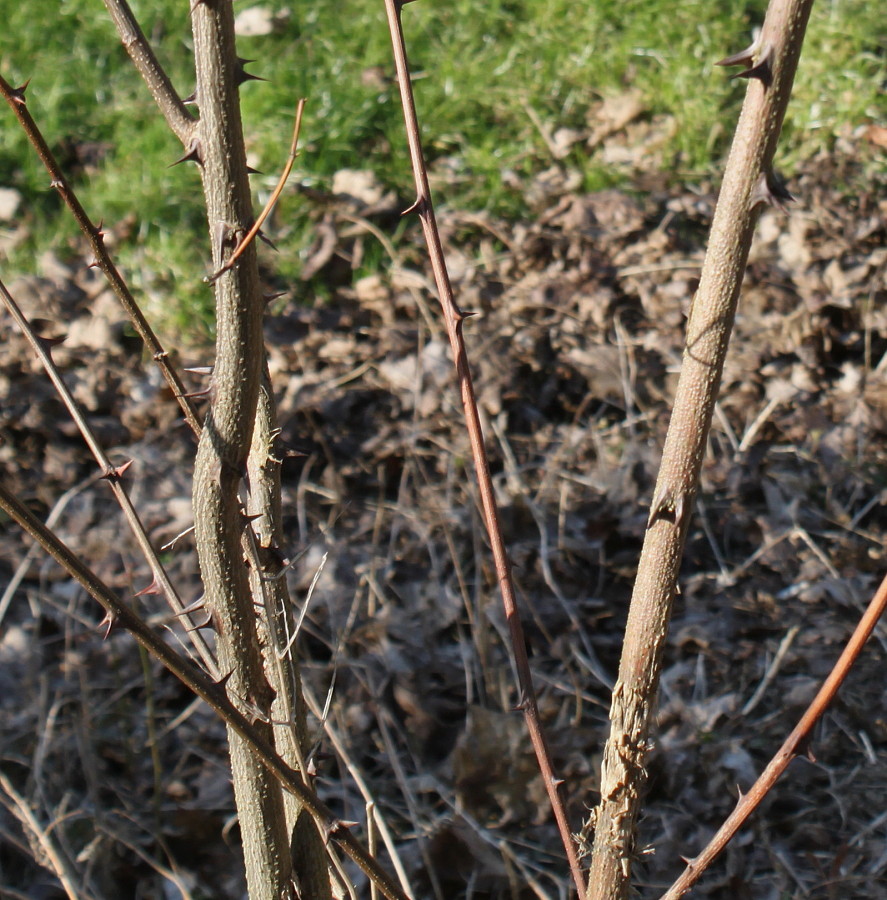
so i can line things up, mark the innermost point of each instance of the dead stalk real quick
(770, 65)
(455, 318)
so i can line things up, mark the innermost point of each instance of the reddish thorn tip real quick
(152, 588)
(108, 624)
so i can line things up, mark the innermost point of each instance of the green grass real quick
(479, 67)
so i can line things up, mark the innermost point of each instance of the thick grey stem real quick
(748, 182)
(225, 443)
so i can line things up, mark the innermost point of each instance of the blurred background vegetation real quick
(494, 81)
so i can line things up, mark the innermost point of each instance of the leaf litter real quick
(575, 353)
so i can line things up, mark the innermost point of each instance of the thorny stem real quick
(113, 475)
(215, 143)
(748, 183)
(791, 748)
(223, 450)
(15, 97)
(454, 318)
(212, 693)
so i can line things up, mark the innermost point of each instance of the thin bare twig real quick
(54, 857)
(55, 514)
(275, 195)
(455, 318)
(213, 693)
(792, 747)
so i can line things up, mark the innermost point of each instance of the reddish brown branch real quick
(787, 752)
(454, 318)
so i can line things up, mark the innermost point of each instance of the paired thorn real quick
(266, 240)
(198, 395)
(196, 626)
(241, 75)
(762, 69)
(744, 57)
(196, 606)
(759, 63)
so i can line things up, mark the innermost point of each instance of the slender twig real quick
(748, 184)
(15, 97)
(361, 782)
(55, 857)
(55, 514)
(180, 121)
(275, 195)
(112, 474)
(213, 693)
(792, 747)
(455, 317)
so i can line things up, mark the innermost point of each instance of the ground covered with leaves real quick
(575, 349)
